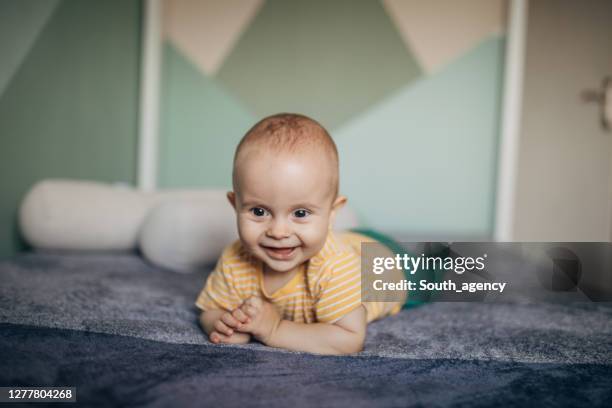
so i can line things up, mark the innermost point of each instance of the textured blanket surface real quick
(126, 333)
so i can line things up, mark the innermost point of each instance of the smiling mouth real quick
(279, 253)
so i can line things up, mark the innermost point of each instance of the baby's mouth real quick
(281, 253)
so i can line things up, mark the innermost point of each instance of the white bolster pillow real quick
(81, 215)
(176, 229)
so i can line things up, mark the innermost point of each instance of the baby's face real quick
(285, 206)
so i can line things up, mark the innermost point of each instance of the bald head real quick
(290, 134)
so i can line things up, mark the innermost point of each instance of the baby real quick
(289, 281)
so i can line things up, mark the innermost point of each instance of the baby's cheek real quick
(313, 235)
(249, 230)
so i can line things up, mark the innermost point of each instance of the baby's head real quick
(285, 194)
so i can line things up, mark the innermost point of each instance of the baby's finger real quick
(222, 328)
(240, 316)
(249, 310)
(254, 301)
(217, 337)
(229, 320)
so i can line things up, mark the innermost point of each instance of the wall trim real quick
(148, 129)
(510, 121)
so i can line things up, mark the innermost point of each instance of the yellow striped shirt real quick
(325, 289)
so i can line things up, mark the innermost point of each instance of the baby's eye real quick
(258, 211)
(301, 213)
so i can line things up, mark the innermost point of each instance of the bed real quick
(125, 333)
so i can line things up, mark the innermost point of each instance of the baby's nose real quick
(278, 230)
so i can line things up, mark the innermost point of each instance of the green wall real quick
(201, 124)
(431, 171)
(68, 96)
(417, 147)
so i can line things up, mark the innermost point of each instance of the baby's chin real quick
(282, 266)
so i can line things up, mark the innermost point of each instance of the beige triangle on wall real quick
(438, 31)
(207, 30)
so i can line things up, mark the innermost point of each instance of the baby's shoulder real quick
(336, 262)
(336, 254)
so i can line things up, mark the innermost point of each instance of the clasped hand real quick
(255, 316)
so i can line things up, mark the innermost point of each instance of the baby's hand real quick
(226, 329)
(262, 318)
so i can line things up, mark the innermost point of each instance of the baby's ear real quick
(338, 203)
(231, 197)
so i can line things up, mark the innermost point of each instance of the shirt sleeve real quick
(340, 288)
(219, 292)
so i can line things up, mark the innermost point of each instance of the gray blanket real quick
(126, 333)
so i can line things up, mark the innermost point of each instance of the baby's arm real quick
(345, 336)
(221, 327)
